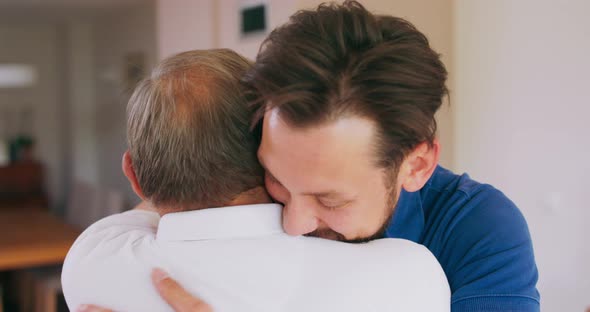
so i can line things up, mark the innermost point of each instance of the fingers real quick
(176, 296)
(91, 308)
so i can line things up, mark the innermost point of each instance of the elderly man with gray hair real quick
(207, 220)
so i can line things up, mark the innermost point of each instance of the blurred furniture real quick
(46, 286)
(32, 237)
(21, 185)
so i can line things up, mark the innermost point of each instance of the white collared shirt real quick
(240, 259)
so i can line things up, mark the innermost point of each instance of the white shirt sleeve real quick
(110, 264)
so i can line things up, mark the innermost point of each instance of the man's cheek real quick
(276, 194)
(339, 220)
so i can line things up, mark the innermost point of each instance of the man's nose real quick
(298, 219)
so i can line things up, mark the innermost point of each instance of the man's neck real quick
(254, 196)
(257, 195)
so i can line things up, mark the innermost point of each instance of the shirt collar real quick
(221, 223)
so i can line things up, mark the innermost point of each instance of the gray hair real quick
(188, 131)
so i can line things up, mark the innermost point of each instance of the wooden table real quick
(33, 237)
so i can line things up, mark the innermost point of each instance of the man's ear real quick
(127, 166)
(419, 165)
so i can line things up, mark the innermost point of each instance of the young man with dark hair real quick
(347, 104)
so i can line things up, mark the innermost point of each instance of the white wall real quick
(521, 123)
(183, 25)
(83, 138)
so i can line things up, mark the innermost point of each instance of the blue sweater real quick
(479, 237)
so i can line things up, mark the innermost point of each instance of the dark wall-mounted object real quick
(253, 19)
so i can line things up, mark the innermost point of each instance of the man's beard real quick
(333, 235)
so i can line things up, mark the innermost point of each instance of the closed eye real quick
(331, 206)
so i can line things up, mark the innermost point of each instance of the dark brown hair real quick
(188, 131)
(341, 60)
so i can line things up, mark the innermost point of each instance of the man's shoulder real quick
(114, 234)
(445, 181)
(460, 199)
(391, 272)
(108, 248)
(123, 227)
(399, 257)
(481, 238)
(456, 204)
(462, 205)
